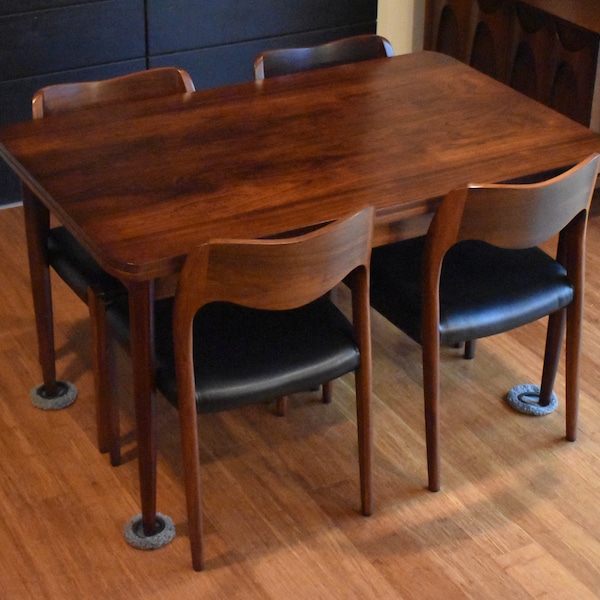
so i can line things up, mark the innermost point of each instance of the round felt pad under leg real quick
(526, 399)
(134, 533)
(66, 395)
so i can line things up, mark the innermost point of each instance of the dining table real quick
(141, 183)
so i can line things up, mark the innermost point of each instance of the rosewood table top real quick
(140, 184)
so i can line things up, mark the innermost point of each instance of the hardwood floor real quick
(517, 517)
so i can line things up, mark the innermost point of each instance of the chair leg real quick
(431, 393)
(365, 438)
(362, 383)
(37, 223)
(107, 413)
(188, 423)
(281, 406)
(327, 392)
(470, 349)
(573, 360)
(554, 337)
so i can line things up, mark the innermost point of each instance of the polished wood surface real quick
(517, 518)
(286, 61)
(141, 184)
(64, 98)
(161, 176)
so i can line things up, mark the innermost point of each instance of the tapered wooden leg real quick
(431, 393)
(575, 262)
(363, 385)
(470, 346)
(554, 337)
(191, 467)
(107, 413)
(573, 361)
(37, 224)
(149, 530)
(327, 392)
(365, 438)
(281, 406)
(141, 309)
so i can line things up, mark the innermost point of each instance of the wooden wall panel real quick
(554, 61)
(550, 55)
(448, 24)
(489, 22)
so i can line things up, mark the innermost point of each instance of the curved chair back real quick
(285, 61)
(273, 274)
(515, 216)
(66, 97)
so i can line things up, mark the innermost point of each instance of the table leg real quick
(52, 394)
(150, 529)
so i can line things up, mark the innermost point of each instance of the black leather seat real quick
(526, 285)
(242, 355)
(275, 353)
(78, 269)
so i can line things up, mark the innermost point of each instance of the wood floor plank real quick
(516, 517)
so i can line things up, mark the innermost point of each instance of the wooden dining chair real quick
(479, 272)
(285, 61)
(252, 321)
(64, 253)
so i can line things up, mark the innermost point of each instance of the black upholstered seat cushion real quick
(484, 290)
(77, 267)
(243, 355)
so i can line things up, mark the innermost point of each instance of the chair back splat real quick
(285, 61)
(479, 272)
(141, 85)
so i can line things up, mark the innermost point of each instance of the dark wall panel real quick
(13, 7)
(71, 37)
(177, 25)
(233, 63)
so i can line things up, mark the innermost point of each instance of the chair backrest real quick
(275, 274)
(515, 216)
(66, 97)
(286, 61)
